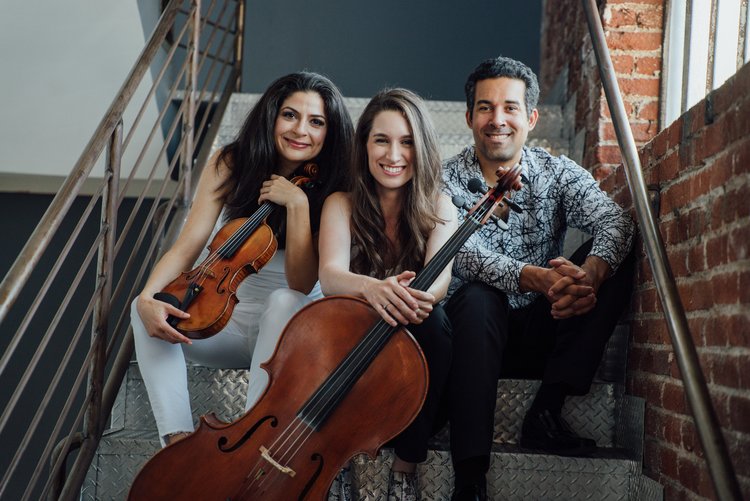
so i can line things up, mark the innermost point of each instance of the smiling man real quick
(518, 309)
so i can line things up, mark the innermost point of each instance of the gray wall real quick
(427, 46)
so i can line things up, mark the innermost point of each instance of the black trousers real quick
(491, 341)
(434, 337)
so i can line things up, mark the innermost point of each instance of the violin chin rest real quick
(165, 297)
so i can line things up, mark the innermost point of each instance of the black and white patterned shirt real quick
(557, 194)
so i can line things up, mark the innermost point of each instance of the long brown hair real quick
(252, 156)
(377, 255)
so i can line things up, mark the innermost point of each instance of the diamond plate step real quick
(518, 475)
(223, 392)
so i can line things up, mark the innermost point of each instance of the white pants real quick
(249, 339)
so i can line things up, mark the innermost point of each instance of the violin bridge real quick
(283, 469)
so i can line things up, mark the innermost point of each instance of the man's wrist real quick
(597, 269)
(530, 278)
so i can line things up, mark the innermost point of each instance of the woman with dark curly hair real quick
(300, 118)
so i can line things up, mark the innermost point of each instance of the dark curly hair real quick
(252, 156)
(497, 67)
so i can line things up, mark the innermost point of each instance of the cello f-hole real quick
(315, 457)
(222, 443)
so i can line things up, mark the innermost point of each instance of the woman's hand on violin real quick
(281, 191)
(154, 314)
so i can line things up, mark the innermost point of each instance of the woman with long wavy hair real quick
(374, 238)
(300, 118)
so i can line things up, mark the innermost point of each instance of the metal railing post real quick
(31, 254)
(696, 390)
(84, 436)
(188, 122)
(93, 424)
(238, 41)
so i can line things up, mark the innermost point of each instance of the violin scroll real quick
(309, 177)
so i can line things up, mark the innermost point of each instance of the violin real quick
(341, 382)
(209, 291)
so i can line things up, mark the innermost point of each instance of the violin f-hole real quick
(220, 284)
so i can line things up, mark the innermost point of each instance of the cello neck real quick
(440, 260)
(327, 397)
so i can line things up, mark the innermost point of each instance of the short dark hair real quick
(497, 67)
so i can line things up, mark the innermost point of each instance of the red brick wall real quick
(701, 164)
(634, 35)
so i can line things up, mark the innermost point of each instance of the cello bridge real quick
(283, 469)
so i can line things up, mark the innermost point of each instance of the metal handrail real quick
(696, 390)
(111, 343)
(38, 242)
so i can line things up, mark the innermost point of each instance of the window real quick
(706, 41)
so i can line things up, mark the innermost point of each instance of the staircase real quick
(606, 414)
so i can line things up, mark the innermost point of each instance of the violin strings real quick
(239, 236)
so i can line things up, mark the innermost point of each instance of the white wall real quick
(61, 65)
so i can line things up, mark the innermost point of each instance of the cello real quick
(208, 292)
(341, 382)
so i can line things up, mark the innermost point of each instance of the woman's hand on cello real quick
(425, 300)
(396, 302)
(154, 314)
(281, 191)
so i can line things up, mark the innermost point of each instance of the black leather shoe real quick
(470, 493)
(549, 432)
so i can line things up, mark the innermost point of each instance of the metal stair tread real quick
(222, 392)
(513, 471)
(513, 474)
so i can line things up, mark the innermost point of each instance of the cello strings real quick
(352, 361)
(299, 426)
(325, 401)
(350, 366)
